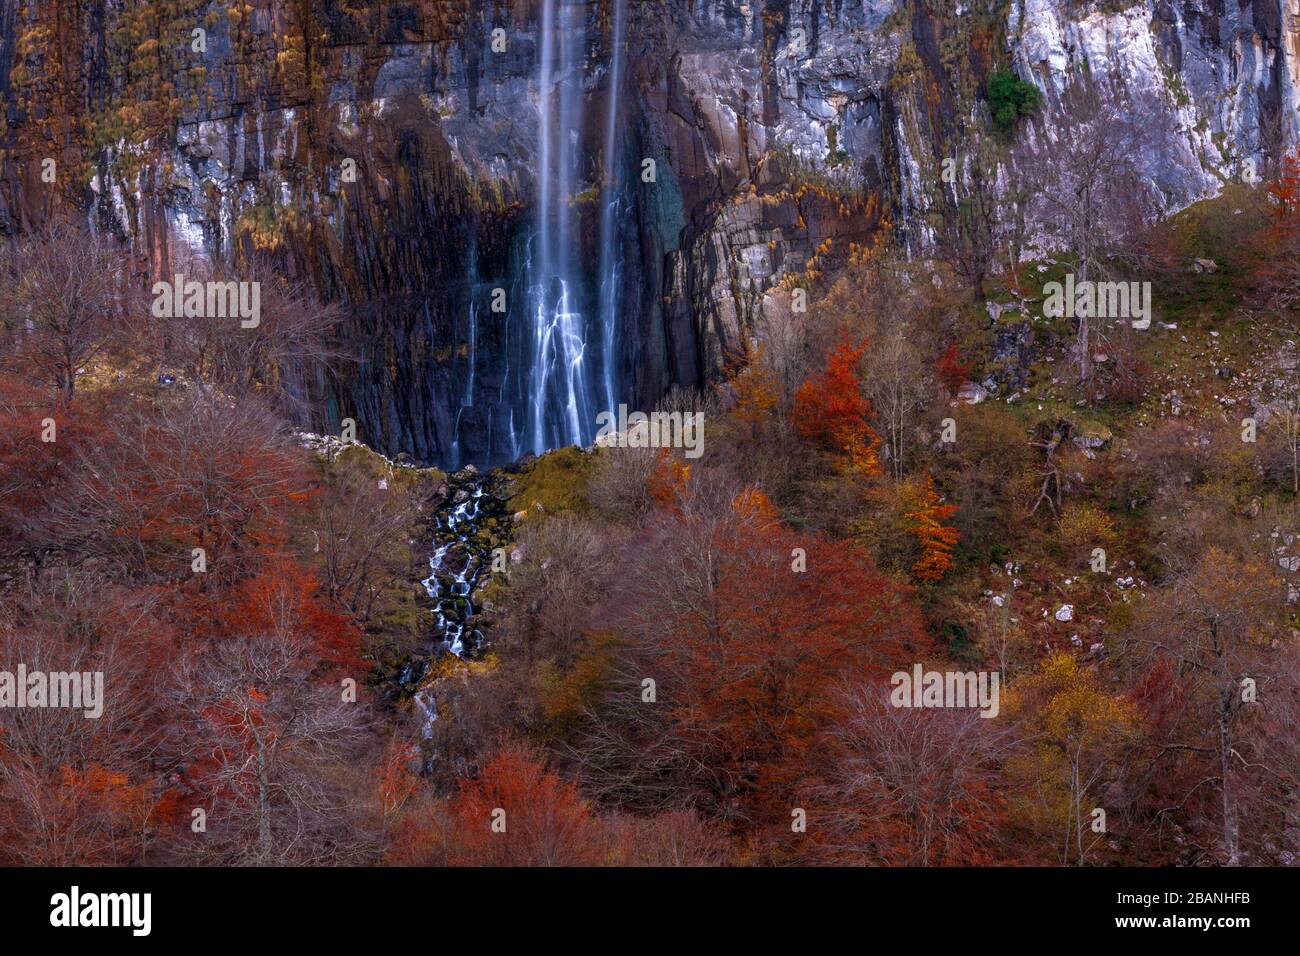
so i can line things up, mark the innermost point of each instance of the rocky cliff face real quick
(390, 152)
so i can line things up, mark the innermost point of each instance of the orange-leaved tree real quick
(1284, 198)
(669, 480)
(757, 392)
(927, 516)
(831, 412)
(1276, 248)
(952, 372)
(517, 812)
(747, 628)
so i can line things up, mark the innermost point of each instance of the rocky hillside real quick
(388, 151)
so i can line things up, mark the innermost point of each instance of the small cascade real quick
(452, 580)
(469, 523)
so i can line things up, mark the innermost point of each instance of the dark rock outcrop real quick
(783, 131)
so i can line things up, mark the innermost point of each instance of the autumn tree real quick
(1274, 249)
(1219, 620)
(77, 790)
(270, 755)
(1280, 442)
(670, 481)
(891, 306)
(668, 838)
(516, 812)
(910, 787)
(755, 388)
(985, 470)
(831, 412)
(41, 444)
(193, 471)
(716, 616)
(70, 301)
(1284, 199)
(285, 600)
(936, 539)
(621, 486)
(952, 372)
(1079, 734)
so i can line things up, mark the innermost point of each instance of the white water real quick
(448, 588)
(560, 410)
(459, 524)
(610, 272)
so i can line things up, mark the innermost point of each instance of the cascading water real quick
(467, 401)
(461, 558)
(560, 408)
(453, 608)
(610, 261)
(561, 364)
(536, 378)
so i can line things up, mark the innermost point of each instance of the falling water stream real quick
(568, 358)
(461, 558)
(572, 374)
(610, 262)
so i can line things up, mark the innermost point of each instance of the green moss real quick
(399, 619)
(837, 156)
(363, 460)
(557, 481)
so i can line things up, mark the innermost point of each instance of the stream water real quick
(460, 562)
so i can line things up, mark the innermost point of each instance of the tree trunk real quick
(1230, 831)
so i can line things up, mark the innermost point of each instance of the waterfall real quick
(610, 261)
(467, 399)
(461, 560)
(552, 363)
(560, 408)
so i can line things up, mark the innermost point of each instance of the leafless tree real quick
(915, 787)
(194, 471)
(1088, 192)
(267, 752)
(618, 487)
(361, 532)
(280, 358)
(899, 382)
(76, 789)
(976, 233)
(562, 576)
(70, 300)
(783, 335)
(1221, 620)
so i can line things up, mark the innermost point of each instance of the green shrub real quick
(1010, 98)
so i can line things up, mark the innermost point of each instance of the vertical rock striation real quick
(782, 131)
